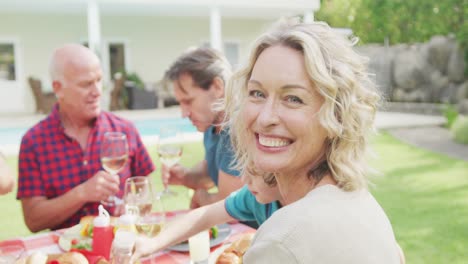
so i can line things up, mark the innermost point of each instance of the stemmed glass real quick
(170, 151)
(152, 223)
(138, 195)
(114, 156)
(140, 200)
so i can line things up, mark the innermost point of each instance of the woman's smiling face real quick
(284, 133)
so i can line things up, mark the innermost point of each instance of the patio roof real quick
(228, 8)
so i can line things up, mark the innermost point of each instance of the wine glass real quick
(151, 224)
(138, 195)
(114, 156)
(169, 151)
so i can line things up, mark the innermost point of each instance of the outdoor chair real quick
(44, 101)
(140, 98)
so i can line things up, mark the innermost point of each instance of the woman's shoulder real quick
(323, 210)
(325, 219)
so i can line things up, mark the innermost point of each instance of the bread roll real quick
(241, 245)
(234, 253)
(37, 258)
(69, 258)
(228, 258)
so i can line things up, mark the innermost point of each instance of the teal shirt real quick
(243, 206)
(218, 153)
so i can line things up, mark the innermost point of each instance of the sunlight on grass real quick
(426, 198)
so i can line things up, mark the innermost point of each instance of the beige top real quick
(328, 225)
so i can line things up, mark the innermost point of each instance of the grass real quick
(424, 194)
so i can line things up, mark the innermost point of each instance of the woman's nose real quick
(268, 113)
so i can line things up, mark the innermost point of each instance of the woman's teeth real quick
(272, 142)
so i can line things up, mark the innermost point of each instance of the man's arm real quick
(226, 185)
(41, 213)
(197, 177)
(194, 178)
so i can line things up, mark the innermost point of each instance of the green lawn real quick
(424, 194)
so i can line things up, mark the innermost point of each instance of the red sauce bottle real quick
(103, 234)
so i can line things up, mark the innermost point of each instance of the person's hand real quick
(175, 175)
(143, 246)
(119, 210)
(100, 186)
(197, 197)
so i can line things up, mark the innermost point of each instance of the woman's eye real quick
(256, 94)
(294, 99)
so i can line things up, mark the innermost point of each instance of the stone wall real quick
(431, 72)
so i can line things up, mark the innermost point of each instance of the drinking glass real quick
(199, 247)
(10, 254)
(114, 156)
(138, 195)
(169, 151)
(151, 224)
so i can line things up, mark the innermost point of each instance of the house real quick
(142, 36)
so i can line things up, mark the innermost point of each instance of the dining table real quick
(47, 243)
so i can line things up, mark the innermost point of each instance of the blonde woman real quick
(302, 108)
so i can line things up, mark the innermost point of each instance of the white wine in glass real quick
(114, 165)
(169, 151)
(152, 223)
(149, 225)
(114, 156)
(170, 154)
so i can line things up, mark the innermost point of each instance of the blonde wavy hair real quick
(340, 76)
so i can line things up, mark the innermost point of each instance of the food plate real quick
(65, 240)
(223, 232)
(215, 254)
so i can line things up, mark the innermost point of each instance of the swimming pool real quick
(10, 138)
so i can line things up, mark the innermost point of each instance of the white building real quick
(142, 36)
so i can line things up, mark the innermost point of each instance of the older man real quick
(60, 173)
(199, 77)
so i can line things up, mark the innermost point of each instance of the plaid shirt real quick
(51, 163)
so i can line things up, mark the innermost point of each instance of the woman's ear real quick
(218, 87)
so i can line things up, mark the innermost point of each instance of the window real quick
(7, 62)
(115, 58)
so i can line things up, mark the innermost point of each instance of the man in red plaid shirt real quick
(60, 173)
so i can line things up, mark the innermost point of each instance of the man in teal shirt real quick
(198, 77)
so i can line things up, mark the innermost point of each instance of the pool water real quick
(150, 127)
(153, 127)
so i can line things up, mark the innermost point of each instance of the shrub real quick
(135, 78)
(450, 113)
(460, 129)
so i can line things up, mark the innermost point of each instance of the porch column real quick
(216, 41)
(94, 27)
(308, 16)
